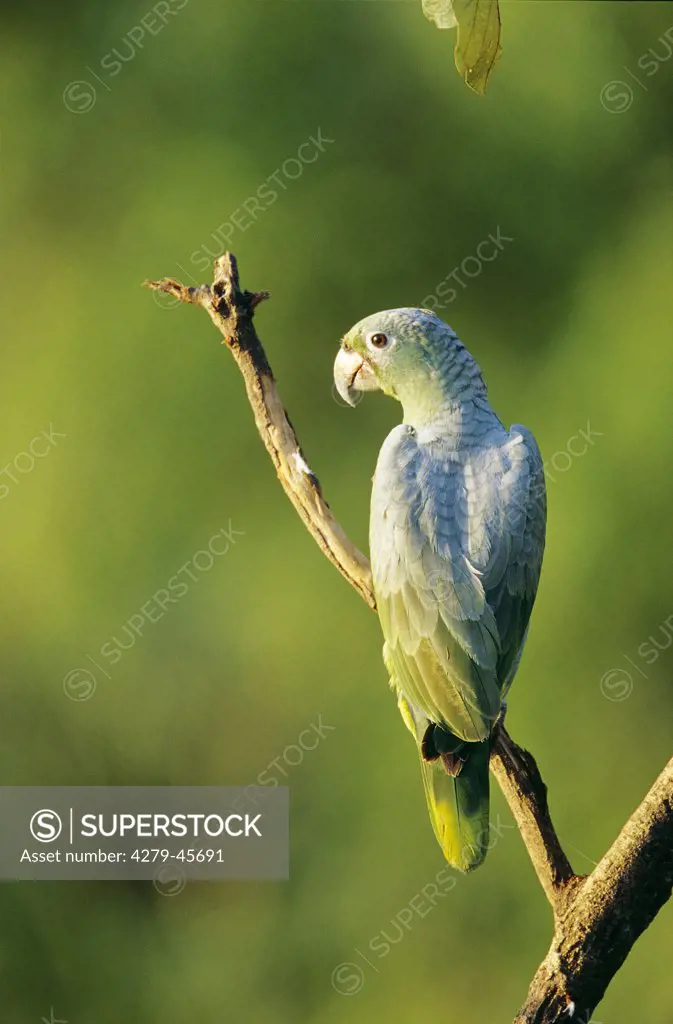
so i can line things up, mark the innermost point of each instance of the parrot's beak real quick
(351, 374)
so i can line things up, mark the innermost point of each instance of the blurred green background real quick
(126, 176)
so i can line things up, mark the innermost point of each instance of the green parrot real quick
(457, 533)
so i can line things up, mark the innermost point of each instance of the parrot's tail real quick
(455, 777)
(458, 806)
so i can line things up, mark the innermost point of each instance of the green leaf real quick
(478, 41)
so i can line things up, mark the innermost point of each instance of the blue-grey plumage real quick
(457, 534)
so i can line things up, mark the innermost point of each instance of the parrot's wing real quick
(525, 509)
(453, 551)
(441, 634)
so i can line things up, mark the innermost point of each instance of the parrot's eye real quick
(379, 340)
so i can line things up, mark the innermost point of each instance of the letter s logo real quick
(45, 826)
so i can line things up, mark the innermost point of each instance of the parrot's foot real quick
(453, 764)
(440, 742)
(499, 723)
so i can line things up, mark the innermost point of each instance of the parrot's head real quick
(409, 354)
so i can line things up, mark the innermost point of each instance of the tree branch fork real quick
(598, 917)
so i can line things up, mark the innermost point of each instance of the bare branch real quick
(231, 310)
(525, 792)
(606, 914)
(597, 919)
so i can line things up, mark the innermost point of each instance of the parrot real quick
(457, 534)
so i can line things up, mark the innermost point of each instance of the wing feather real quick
(456, 543)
